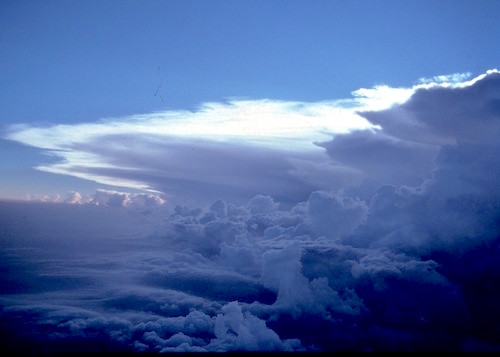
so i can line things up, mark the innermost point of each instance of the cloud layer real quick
(380, 239)
(242, 142)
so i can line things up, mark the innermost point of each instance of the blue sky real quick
(80, 61)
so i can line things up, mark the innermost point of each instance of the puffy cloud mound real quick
(333, 216)
(406, 259)
(245, 332)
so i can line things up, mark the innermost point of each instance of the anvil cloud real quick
(251, 144)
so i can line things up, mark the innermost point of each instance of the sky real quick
(249, 176)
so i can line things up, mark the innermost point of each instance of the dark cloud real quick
(441, 115)
(383, 159)
(203, 171)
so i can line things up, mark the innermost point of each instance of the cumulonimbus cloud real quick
(408, 260)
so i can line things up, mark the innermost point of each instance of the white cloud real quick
(102, 197)
(154, 151)
(269, 123)
(455, 80)
(450, 79)
(381, 97)
(125, 199)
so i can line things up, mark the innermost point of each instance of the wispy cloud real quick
(446, 79)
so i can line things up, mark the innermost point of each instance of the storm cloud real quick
(377, 238)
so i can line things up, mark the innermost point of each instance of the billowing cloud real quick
(404, 258)
(437, 114)
(382, 159)
(444, 114)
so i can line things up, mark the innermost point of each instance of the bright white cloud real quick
(381, 97)
(446, 78)
(455, 80)
(275, 124)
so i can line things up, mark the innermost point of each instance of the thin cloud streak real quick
(268, 123)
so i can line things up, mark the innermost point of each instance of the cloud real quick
(124, 199)
(333, 215)
(447, 79)
(262, 204)
(248, 147)
(103, 197)
(245, 332)
(407, 261)
(456, 209)
(382, 159)
(412, 133)
(244, 147)
(443, 114)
